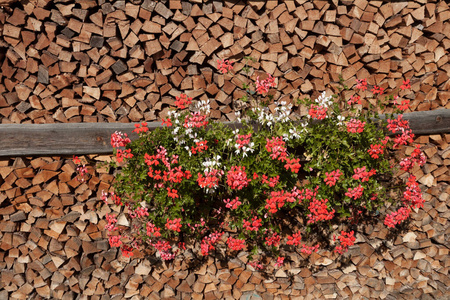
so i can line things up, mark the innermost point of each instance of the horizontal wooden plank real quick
(94, 138)
(429, 122)
(63, 138)
(59, 139)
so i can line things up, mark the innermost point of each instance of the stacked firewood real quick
(53, 245)
(47, 219)
(88, 61)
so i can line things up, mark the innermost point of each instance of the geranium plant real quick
(262, 184)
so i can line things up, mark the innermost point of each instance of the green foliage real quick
(322, 147)
(271, 178)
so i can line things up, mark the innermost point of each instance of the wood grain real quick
(88, 61)
(94, 138)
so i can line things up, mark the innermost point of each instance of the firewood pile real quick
(125, 61)
(53, 246)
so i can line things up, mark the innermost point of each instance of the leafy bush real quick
(268, 183)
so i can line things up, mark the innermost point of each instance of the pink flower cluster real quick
(105, 197)
(162, 246)
(139, 212)
(277, 147)
(397, 217)
(355, 126)
(182, 245)
(318, 112)
(127, 251)
(332, 177)
(76, 160)
(168, 255)
(195, 120)
(174, 224)
(208, 243)
(375, 150)
(263, 86)
(183, 101)
(361, 84)
(233, 203)
(354, 99)
(346, 240)
(235, 244)
(305, 194)
(152, 230)
(172, 175)
(198, 227)
(167, 122)
(273, 239)
(413, 195)
(81, 169)
(280, 262)
(111, 219)
(243, 140)
(404, 105)
(293, 164)
(294, 239)
(272, 182)
(406, 136)
(256, 264)
(406, 85)
(417, 157)
(140, 127)
(253, 225)
(362, 174)
(355, 193)
(199, 147)
(165, 250)
(309, 249)
(377, 90)
(210, 180)
(319, 211)
(172, 193)
(398, 124)
(224, 65)
(277, 200)
(119, 139)
(237, 178)
(115, 240)
(122, 154)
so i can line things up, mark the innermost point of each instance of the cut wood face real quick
(52, 234)
(124, 54)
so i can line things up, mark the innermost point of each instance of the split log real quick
(90, 47)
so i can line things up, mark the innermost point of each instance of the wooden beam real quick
(60, 139)
(64, 138)
(94, 138)
(429, 122)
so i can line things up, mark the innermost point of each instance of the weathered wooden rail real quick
(94, 138)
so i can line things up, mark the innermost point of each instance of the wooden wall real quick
(89, 61)
(53, 245)
(125, 61)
